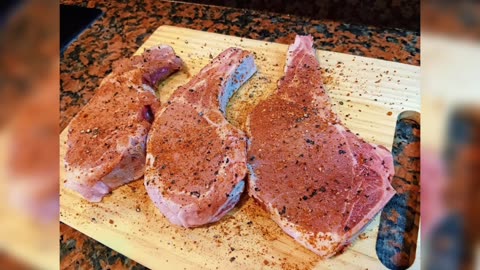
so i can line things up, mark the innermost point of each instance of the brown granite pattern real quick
(399, 221)
(125, 26)
(78, 251)
(393, 13)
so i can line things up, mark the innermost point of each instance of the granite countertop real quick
(125, 26)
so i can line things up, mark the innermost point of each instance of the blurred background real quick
(450, 134)
(29, 86)
(450, 57)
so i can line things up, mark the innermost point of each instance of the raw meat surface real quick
(320, 182)
(196, 160)
(106, 139)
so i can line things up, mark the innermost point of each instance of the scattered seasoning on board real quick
(363, 236)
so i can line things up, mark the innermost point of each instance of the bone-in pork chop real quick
(320, 182)
(106, 139)
(196, 160)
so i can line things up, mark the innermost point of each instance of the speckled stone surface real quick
(394, 13)
(399, 221)
(125, 26)
(78, 251)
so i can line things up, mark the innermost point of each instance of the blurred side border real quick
(450, 136)
(29, 113)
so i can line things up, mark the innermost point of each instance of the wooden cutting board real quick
(368, 95)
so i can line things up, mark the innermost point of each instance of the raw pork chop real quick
(106, 140)
(320, 182)
(196, 160)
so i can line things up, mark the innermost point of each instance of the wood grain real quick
(368, 95)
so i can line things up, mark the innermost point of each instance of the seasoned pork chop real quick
(106, 139)
(321, 183)
(196, 160)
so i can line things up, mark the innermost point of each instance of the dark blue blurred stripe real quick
(7, 7)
